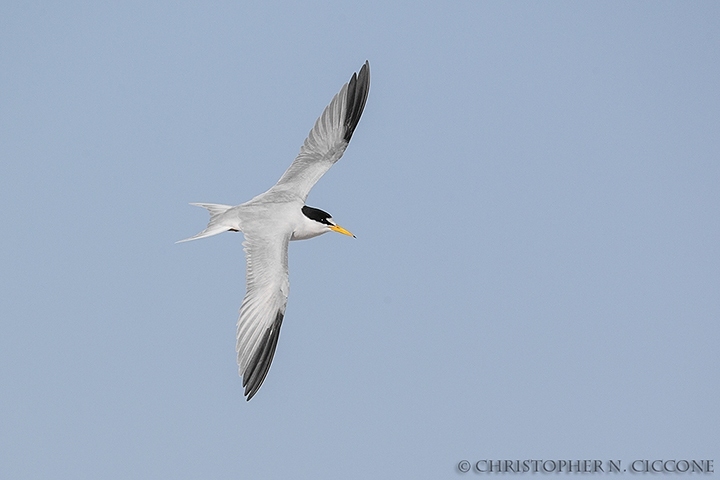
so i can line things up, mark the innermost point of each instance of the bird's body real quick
(272, 219)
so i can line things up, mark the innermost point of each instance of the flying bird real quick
(272, 219)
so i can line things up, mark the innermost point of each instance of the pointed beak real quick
(339, 229)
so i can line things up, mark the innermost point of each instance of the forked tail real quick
(216, 224)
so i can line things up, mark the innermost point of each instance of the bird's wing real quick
(330, 136)
(263, 307)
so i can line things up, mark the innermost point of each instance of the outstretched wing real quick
(330, 136)
(263, 307)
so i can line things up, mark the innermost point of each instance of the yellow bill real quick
(339, 229)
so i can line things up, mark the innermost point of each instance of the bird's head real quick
(319, 222)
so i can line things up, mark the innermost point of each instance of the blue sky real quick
(534, 188)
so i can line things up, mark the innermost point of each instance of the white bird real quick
(270, 220)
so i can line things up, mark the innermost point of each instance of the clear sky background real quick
(533, 185)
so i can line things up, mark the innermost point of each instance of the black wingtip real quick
(255, 373)
(357, 93)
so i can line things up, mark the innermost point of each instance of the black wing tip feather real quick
(357, 93)
(254, 375)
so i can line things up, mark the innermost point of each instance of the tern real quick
(272, 219)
